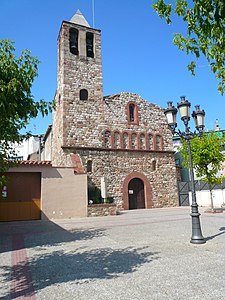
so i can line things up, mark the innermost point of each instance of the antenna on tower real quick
(93, 13)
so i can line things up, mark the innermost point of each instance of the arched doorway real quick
(136, 194)
(139, 179)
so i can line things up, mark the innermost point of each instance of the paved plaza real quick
(136, 255)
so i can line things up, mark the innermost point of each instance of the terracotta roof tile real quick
(35, 162)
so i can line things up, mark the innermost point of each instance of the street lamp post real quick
(198, 116)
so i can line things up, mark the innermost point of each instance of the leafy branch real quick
(205, 32)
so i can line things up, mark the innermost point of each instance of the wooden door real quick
(21, 197)
(136, 194)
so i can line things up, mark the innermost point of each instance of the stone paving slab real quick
(140, 254)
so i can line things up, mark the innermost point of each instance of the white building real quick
(26, 148)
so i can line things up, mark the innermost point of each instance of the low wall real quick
(95, 210)
(203, 198)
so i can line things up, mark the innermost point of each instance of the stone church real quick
(120, 141)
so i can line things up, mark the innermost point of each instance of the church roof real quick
(79, 19)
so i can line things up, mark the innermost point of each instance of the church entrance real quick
(136, 194)
(137, 191)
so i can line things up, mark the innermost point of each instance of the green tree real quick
(205, 35)
(207, 157)
(17, 104)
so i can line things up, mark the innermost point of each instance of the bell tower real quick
(79, 83)
(79, 58)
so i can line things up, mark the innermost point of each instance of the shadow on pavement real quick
(41, 233)
(222, 229)
(74, 263)
(77, 266)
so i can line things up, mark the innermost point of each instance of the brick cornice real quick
(64, 147)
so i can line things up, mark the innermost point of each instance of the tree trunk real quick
(211, 196)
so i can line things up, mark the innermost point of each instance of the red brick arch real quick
(147, 189)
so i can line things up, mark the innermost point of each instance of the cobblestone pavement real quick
(140, 254)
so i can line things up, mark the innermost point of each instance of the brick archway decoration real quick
(147, 189)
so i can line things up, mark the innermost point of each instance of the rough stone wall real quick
(58, 156)
(97, 210)
(79, 127)
(151, 118)
(76, 72)
(116, 165)
(114, 110)
(80, 72)
(87, 126)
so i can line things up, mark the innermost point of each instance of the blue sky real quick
(137, 52)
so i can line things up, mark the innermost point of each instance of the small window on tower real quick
(90, 44)
(74, 41)
(83, 94)
(153, 165)
(89, 166)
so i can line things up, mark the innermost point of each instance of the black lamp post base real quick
(198, 241)
(197, 237)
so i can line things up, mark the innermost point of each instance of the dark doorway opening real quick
(136, 194)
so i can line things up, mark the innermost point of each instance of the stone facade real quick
(97, 210)
(120, 137)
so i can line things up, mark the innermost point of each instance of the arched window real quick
(74, 41)
(158, 142)
(89, 166)
(153, 165)
(150, 141)
(83, 94)
(125, 140)
(132, 113)
(116, 140)
(134, 141)
(107, 139)
(90, 44)
(142, 141)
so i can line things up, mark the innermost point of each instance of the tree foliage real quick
(205, 20)
(17, 104)
(207, 157)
